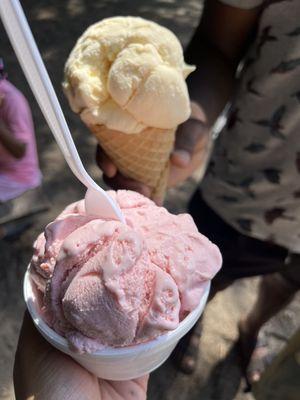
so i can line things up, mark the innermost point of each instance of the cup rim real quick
(109, 352)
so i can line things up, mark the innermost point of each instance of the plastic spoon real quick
(97, 201)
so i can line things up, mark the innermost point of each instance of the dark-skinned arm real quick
(217, 47)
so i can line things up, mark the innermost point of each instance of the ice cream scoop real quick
(128, 74)
(125, 77)
(112, 284)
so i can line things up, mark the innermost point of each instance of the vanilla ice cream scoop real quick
(128, 74)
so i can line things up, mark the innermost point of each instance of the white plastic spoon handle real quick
(32, 64)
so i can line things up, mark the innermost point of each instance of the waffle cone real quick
(143, 156)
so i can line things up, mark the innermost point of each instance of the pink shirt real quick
(16, 115)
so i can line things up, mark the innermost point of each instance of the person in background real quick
(247, 52)
(19, 167)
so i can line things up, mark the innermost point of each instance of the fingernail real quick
(111, 171)
(181, 157)
(145, 191)
(158, 201)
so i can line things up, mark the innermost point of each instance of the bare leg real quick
(275, 292)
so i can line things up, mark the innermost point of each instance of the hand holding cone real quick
(126, 79)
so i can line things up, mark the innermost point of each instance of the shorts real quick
(243, 256)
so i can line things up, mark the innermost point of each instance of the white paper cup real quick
(116, 363)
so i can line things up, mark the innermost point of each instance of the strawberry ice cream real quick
(105, 283)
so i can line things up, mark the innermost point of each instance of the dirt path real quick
(56, 25)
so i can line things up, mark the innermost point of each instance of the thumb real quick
(188, 137)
